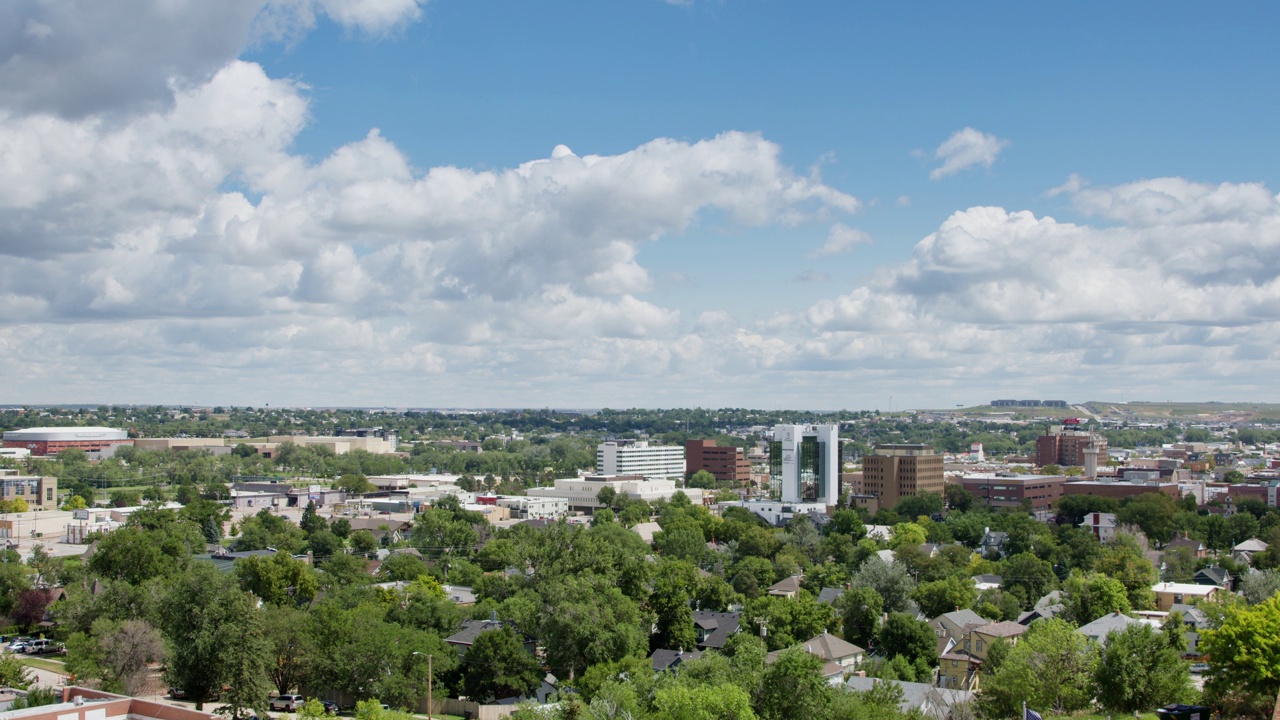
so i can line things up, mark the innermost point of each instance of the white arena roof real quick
(65, 434)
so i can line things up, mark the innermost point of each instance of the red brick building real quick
(728, 464)
(1009, 491)
(1063, 447)
(1120, 489)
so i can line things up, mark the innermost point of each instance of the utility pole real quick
(429, 678)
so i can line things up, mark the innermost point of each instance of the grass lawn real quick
(1098, 716)
(44, 664)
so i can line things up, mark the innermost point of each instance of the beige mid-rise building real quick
(894, 472)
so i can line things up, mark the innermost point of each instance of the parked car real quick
(330, 706)
(17, 646)
(1199, 668)
(176, 693)
(40, 647)
(287, 703)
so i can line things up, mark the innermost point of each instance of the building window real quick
(979, 646)
(48, 494)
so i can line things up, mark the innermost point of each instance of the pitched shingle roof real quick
(830, 647)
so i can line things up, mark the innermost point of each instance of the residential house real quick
(987, 582)
(978, 640)
(387, 531)
(955, 624)
(930, 702)
(1197, 548)
(1099, 629)
(834, 650)
(787, 587)
(1217, 576)
(1243, 553)
(664, 660)
(1193, 620)
(959, 670)
(828, 596)
(1169, 594)
(993, 544)
(462, 640)
(1102, 525)
(715, 628)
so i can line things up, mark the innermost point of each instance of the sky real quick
(637, 203)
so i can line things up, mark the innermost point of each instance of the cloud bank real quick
(160, 241)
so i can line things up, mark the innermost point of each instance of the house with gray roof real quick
(715, 628)
(462, 640)
(956, 623)
(1099, 629)
(932, 702)
(828, 596)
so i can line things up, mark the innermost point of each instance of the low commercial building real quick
(217, 446)
(525, 507)
(40, 493)
(1006, 490)
(84, 704)
(1169, 594)
(1119, 489)
(581, 493)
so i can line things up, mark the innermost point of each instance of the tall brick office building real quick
(728, 464)
(1065, 446)
(894, 472)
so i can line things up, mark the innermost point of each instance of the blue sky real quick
(198, 211)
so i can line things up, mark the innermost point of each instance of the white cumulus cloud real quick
(842, 239)
(965, 149)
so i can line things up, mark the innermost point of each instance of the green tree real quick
(792, 687)
(354, 484)
(498, 666)
(890, 581)
(682, 540)
(943, 596)
(13, 673)
(1244, 657)
(215, 638)
(1052, 667)
(1152, 512)
(788, 621)
(1139, 671)
(288, 635)
(702, 479)
(904, 635)
(1258, 587)
(1088, 597)
(1028, 577)
(1122, 558)
(860, 609)
(724, 701)
(907, 533)
(277, 579)
(674, 583)
(925, 504)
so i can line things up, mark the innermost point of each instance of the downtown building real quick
(728, 464)
(894, 472)
(1071, 448)
(631, 457)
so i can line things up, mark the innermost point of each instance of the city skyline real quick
(638, 204)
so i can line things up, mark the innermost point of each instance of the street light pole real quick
(429, 678)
